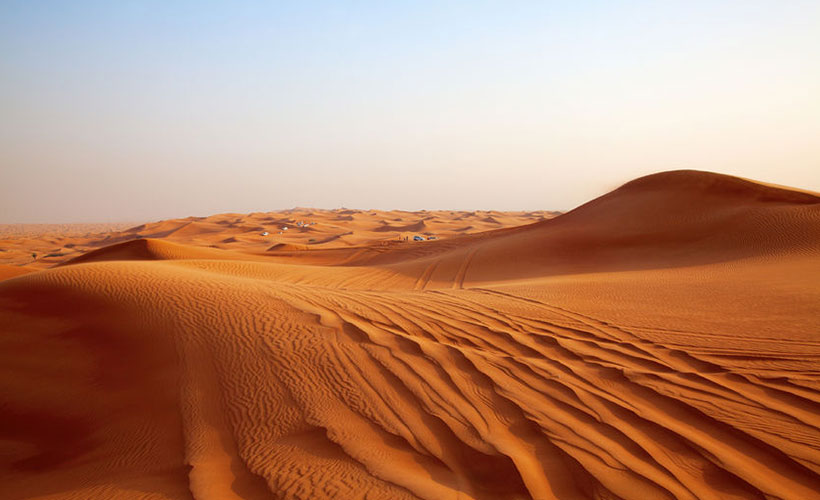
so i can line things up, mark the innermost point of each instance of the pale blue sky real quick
(132, 110)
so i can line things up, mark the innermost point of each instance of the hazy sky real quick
(142, 110)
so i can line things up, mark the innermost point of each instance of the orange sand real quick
(343, 228)
(659, 342)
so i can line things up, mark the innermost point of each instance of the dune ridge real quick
(43, 246)
(659, 342)
(672, 219)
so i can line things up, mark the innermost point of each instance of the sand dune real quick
(45, 245)
(8, 271)
(155, 249)
(672, 219)
(659, 342)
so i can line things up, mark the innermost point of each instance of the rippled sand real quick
(662, 341)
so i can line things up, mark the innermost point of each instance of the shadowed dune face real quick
(153, 369)
(90, 397)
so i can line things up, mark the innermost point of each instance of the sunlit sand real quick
(657, 342)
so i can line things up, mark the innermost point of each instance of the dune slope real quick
(672, 219)
(494, 366)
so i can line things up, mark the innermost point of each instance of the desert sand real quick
(659, 342)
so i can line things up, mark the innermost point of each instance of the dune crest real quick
(658, 342)
(154, 249)
(672, 219)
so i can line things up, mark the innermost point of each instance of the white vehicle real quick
(265, 233)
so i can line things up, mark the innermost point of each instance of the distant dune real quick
(45, 245)
(154, 249)
(658, 342)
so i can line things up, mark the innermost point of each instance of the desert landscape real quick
(661, 341)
